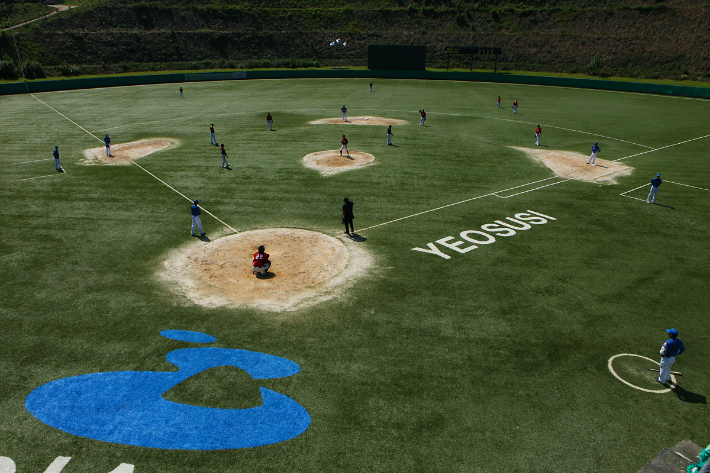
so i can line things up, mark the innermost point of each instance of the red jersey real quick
(498, 101)
(211, 129)
(268, 117)
(221, 150)
(515, 103)
(423, 113)
(344, 141)
(260, 259)
(538, 130)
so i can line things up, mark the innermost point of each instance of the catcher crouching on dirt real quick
(261, 263)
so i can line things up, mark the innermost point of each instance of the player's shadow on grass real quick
(356, 237)
(662, 205)
(394, 146)
(687, 396)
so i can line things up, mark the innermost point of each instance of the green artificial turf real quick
(492, 360)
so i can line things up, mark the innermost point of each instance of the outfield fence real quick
(116, 81)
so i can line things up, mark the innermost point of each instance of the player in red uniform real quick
(344, 142)
(423, 114)
(498, 102)
(269, 121)
(261, 263)
(538, 131)
(515, 106)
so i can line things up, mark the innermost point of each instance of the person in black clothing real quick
(347, 216)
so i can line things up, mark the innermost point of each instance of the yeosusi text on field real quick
(123, 153)
(307, 268)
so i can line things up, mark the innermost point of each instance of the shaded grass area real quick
(424, 365)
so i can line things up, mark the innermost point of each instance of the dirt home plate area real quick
(307, 267)
(123, 153)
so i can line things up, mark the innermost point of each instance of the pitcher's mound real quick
(359, 121)
(306, 268)
(574, 165)
(122, 153)
(331, 162)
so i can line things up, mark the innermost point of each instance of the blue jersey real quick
(195, 210)
(673, 347)
(107, 140)
(56, 154)
(596, 149)
(343, 109)
(656, 182)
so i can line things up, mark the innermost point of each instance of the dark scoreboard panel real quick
(473, 50)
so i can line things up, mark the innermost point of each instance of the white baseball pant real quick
(666, 364)
(652, 195)
(196, 223)
(592, 158)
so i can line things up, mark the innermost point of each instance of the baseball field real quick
(471, 324)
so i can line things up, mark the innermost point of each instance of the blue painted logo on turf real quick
(127, 407)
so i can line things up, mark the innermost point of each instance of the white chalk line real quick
(141, 167)
(537, 188)
(662, 147)
(40, 177)
(184, 196)
(460, 202)
(635, 188)
(686, 185)
(654, 391)
(34, 161)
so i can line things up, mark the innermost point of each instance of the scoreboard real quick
(473, 50)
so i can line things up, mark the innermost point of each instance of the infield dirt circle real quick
(307, 267)
(331, 162)
(359, 121)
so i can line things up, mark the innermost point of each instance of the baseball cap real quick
(672, 331)
(658, 175)
(596, 143)
(194, 201)
(345, 199)
(57, 147)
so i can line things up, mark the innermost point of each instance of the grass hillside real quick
(656, 38)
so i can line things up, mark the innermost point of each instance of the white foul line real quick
(141, 167)
(463, 201)
(40, 177)
(183, 195)
(686, 185)
(75, 123)
(530, 190)
(658, 149)
(639, 187)
(34, 161)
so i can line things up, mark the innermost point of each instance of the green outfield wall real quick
(116, 81)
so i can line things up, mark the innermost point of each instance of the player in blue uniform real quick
(107, 141)
(595, 150)
(345, 111)
(57, 166)
(654, 189)
(672, 348)
(196, 211)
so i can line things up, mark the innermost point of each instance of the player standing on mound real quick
(423, 117)
(345, 112)
(669, 351)
(344, 143)
(196, 211)
(651, 195)
(261, 263)
(269, 121)
(595, 150)
(107, 142)
(538, 131)
(223, 153)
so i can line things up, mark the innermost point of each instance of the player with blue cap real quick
(654, 189)
(57, 166)
(196, 211)
(672, 348)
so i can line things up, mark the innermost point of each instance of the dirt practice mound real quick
(330, 162)
(574, 165)
(359, 121)
(122, 153)
(307, 267)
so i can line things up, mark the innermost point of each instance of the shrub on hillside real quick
(34, 70)
(7, 70)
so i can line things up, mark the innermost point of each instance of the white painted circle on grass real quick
(7, 465)
(655, 391)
